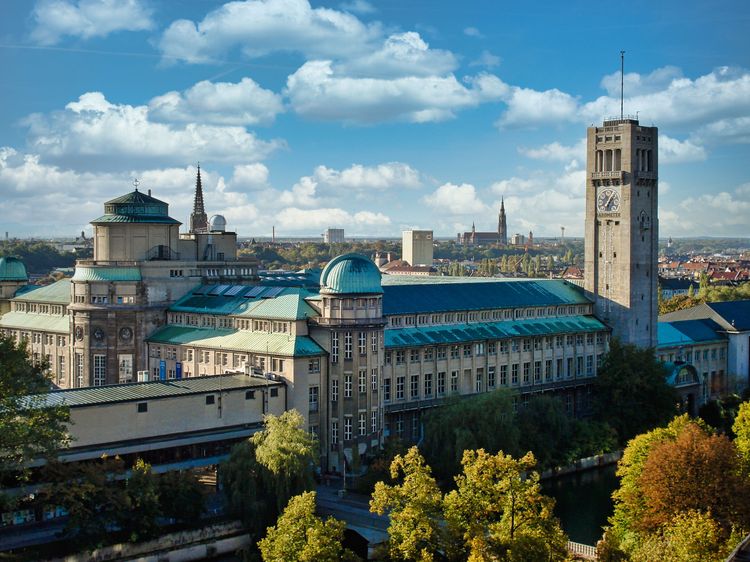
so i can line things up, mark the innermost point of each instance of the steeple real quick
(502, 225)
(198, 218)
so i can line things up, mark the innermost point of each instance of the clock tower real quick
(622, 233)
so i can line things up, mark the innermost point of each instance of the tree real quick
(415, 506)
(300, 536)
(181, 496)
(741, 430)
(31, 426)
(499, 512)
(483, 421)
(288, 453)
(139, 520)
(545, 429)
(631, 391)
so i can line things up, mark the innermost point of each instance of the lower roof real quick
(460, 333)
(688, 332)
(36, 322)
(57, 293)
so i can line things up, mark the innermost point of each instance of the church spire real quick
(502, 225)
(198, 218)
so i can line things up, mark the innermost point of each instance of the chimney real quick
(149, 193)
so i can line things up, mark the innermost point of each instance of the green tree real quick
(741, 430)
(484, 421)
(691, 291)
(31, 425)
(545, 429)
(181, 497)
(499, 512)
(288, 453)
(141, 487)
(415, 509)
(631, 391)
(300, 536)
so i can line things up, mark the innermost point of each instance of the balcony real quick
(612, 174)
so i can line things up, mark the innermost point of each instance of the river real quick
(583, 502)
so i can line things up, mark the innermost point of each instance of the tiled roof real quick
(250, 301)
(32, 321)
(237, 340)
(458, 333)
(686, 332)
(57, 292)
(107, 274)
(440, 296)
(152, 390)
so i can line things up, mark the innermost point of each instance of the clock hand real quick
(611, 195)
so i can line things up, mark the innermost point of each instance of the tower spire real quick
(502, 225)
(622, 82)
(198, 218)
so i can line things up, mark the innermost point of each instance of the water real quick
(583, 502)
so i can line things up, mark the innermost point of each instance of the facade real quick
(622, 231)
(416, 247)
(475, 238)
(333, 236)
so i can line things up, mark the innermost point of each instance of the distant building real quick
(475, 238)
(517, 240)
(416, 247)
(333, 236)
(675, 287)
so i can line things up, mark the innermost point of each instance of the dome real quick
(350, 273)
(217, 223)
(12, 269)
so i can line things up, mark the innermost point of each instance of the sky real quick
(372, 116)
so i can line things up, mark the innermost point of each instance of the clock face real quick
(608, 200)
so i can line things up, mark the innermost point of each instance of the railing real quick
(107, 263)
(582, 551)
(607, 175)
(162, 252)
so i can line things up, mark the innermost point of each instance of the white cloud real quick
(487, 60)
(304, 220)
(224, 103)
(358, 7)
(556, 152)
(452, 199)
(380, 177)
(250, 176)
(472, 32)
(532, 108)
(315, 91)
(259, 27)
(725, 213)
(673, 151)
(101, 133)
(54, 19)
(730, 130)
(639, 84)
(303, 193)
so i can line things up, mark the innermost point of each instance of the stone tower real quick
(502, 225)
(622, 229)
(198, 218)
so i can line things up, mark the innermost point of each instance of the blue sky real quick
(371, 116)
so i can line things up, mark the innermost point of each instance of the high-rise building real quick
(622, 229)
(416, 247)
(333, 236)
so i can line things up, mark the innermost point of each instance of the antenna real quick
(622, 81)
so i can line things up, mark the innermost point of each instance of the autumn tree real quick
(301, 536)
(414, 504)
(31, 425)
(631, 391)
(741, 430)
(499, 512)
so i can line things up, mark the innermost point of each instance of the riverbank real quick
(586, 463)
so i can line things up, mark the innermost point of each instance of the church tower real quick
(502, 225)
(622, 229)
(198, 218)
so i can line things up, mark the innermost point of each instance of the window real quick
(504, 347)
(374, 420)
(441, 353)
(334, 347)
(249, 395)
(210, 399)
(362, 343)
(100, 370)
(334, 433)
(559, 371)
(454, 352)
(400, 388)
(362, 423)
(548, 370)
(313, 366)
(362, 381)
(386, 390)
(374, 342)
(454, 381)
(491, 377)
(399, 425)
(414, 355)
(142, 407)
(347, 385)
(441, 383)
(479, 349)
(503, 375)
(491, 348)
(589, 365)
(347, 428)
(526, 372)
(537, 371)
(514, 373)
(478, 386)
(388, 357)
(569, 372)
(579, 366)
(429, 353)
(400, 357)
(415, 427)
(467, 351)
(526, 344)
(334, 390)
(347, 345)
(414, 387)
(374, 378)
(313, 398)
(514, 346)
(427, 385)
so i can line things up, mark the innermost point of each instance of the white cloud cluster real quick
(556, 152)
(380, 177)
(224, 103)
(303, 220)
(726, 212)
(451, 200)
(54, 19)
(103, 133)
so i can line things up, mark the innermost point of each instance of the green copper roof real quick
(136, 207)
(350, 274)
(57, 292)
(239, 340)
(12, 269)
(458, 333)
(248, 301)
(107, 274)
(35, 322)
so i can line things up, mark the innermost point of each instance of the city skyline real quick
(374, 117)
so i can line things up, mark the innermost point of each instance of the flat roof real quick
(95, 395)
